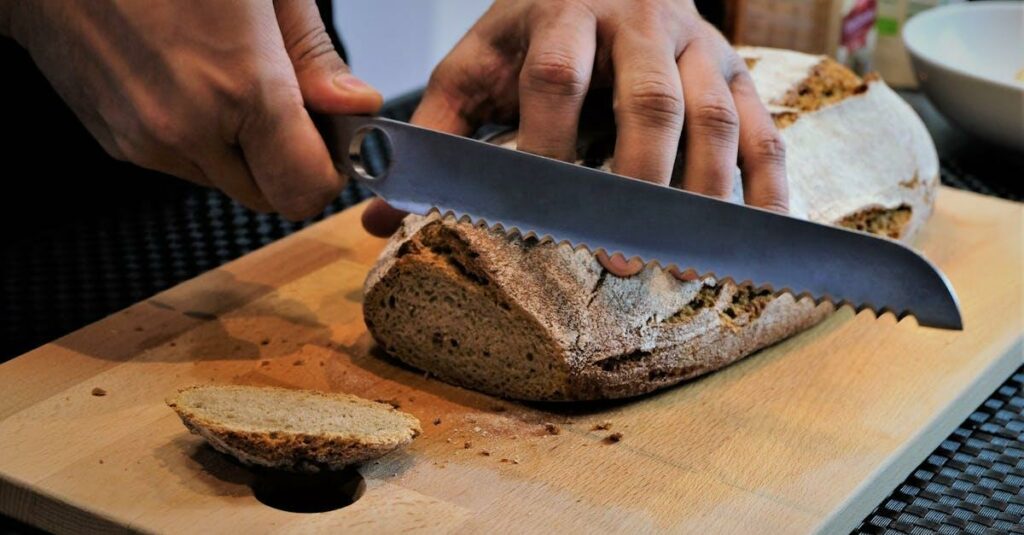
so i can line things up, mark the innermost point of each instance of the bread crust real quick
(296, 450)
(602, 336)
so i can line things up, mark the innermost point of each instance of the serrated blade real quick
(430, 170)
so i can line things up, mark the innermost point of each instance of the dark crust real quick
(737, 320)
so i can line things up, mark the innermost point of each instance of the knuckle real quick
(132, 150)
(718, 118)
(262, 103)
(777, 204)
(657, 102)
(555, 72)
(770, 147)
(648, 10)
(163, 128)
(309, 47)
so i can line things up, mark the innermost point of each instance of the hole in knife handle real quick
(369, 153)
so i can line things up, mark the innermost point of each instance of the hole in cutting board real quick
(308, 493)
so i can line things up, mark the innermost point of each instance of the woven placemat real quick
(972, 483)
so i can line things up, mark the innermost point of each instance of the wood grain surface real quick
(808, 435)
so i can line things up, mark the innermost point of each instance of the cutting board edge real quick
(885, 479)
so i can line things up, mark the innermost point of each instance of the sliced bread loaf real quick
(299, 430)
(538, 321)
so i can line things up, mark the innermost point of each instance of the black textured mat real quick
(972, 483)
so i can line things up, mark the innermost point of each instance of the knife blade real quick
(540, 197)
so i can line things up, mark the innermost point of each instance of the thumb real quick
(327, 84)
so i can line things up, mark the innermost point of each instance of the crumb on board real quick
(603, 426)
(552, 429)
(437, 421)
(513, 460)
(393, 402)
(99, 392)
(613, 438)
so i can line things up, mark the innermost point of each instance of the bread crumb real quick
(603, 426)
(510, 461)
(467, 445)
(476, 429)
(613, 438)
(437, 421)
(552, 429)
(98, 392)
(485, 453)
(393, 402)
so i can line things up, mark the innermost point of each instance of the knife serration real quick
(549, 199)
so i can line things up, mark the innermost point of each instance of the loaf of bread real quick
(539, 321)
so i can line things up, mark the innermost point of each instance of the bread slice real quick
(300, 430)
(538, 321)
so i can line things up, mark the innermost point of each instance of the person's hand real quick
(674, 78)
(213, 92)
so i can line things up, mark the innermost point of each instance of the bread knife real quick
(532, 196)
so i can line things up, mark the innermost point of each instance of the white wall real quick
(394, 44)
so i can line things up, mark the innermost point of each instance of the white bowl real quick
(969, 59)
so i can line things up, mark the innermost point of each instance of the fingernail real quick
(618, 265)
(350, 82)
(686, 276)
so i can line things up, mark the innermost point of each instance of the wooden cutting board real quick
(808, 435)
